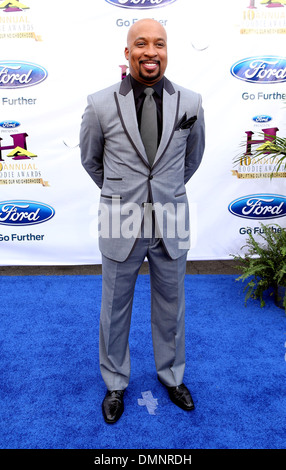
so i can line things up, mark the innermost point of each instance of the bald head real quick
(145, 24)
(146, 51)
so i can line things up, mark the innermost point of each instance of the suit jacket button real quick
(150, 177)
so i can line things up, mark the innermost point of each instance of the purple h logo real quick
(269, 136)
(19, 146)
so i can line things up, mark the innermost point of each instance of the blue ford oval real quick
(261, 118)
(21, 212)
(140, 4)
(9, 124)
(15, 74)
(260, 69)
(259, 206)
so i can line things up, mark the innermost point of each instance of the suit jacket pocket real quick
(112, 187)
(181, 134)
(111, 196)
(185, 123)
(113, 179)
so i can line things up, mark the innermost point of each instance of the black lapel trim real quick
(169, 87)
(126, 131)
(125, 86)
(172, 133)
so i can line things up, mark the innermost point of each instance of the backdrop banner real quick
(54, 55)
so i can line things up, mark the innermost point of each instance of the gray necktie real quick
(149, 126)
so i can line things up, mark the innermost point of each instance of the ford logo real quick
(265, 69)
(259, 206)
(9, 124)
(24, 212)
(140, 4)
(262, 118)
(20, 74)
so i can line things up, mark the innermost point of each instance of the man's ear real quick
(126, 53)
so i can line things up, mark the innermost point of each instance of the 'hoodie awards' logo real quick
(11, 6)
(15, 21)
(17, 163)
(263, 17)
(248, 167)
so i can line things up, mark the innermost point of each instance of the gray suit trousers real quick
(167, 314)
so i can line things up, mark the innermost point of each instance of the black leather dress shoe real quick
(113, 406)
(181, 396)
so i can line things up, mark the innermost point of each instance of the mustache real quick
(149, 60)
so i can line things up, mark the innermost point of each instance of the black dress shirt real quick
(139, 96)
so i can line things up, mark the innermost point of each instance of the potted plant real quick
(264, 265)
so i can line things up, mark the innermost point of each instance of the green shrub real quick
(264, 263)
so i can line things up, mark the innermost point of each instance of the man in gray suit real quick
(143, 209)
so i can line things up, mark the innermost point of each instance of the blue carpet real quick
(51, 389)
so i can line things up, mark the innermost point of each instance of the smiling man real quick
(141, 141)
(147, 52)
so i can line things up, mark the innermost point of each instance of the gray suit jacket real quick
(113, 154)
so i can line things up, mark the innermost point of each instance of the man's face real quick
(146, 51)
